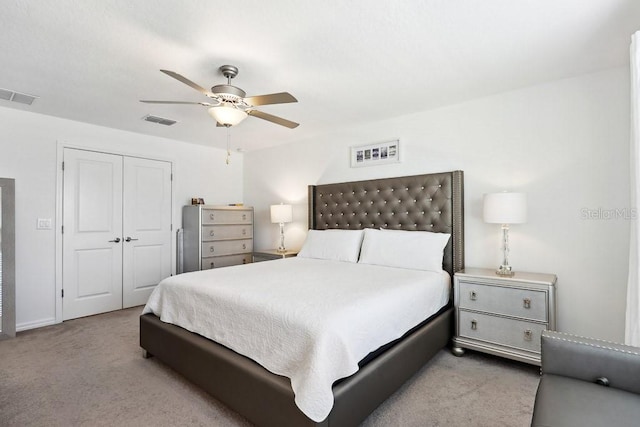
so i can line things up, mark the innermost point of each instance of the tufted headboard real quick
(432, 202)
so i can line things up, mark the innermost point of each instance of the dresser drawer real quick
(225, 261)
(513, 333)
(524, 303)
(215, 216)
(222, 232)
(227, 247)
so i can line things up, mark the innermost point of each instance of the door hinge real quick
(172, 176)
(62, 229)
(62, 293)
(62, 165)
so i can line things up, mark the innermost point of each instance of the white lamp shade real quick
(227, 115)
(505, 208)
(281, 213)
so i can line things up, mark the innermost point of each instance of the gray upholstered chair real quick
(587, 382)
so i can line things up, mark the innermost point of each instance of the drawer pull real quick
(528, 335)
(211, 248)
(244, 260)
(212, 264)
(211, 233)
(244, 246)
(526, 303)
(474, 325)
(244, 231)
(211, 216)
(473, 296)
(244, 216)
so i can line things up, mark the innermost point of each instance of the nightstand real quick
(271, 254)
(504, 316)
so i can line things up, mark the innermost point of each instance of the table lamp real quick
(505, 208)
(281, 214)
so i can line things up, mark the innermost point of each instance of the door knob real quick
(116, 240)
(129, 239)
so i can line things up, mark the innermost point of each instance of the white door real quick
(92, 239)
(117, 231)
(147, 228)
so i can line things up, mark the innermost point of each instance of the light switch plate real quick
(44, 224)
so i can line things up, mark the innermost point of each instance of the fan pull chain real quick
(228, 145)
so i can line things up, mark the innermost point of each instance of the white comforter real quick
(309, 320)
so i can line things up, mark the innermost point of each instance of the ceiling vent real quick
(21, 98)
(159, 120)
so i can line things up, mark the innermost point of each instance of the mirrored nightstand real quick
(271, 254)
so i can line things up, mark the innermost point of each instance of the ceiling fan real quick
(229, 105)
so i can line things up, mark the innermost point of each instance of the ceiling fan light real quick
(226, 115)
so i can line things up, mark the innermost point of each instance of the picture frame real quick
(380, 153)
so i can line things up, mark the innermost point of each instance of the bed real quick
(432, 202)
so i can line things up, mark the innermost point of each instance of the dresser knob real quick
(211, 217)
(528, 335)
(211, 248)
(474, 325)
(211, 233)
(526, 303)
(473, 296)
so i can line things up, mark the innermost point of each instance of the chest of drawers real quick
(504, 316)
(216, 236)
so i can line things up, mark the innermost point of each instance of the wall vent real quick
(159, 120)
(22, 98)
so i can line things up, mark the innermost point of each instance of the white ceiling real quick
(346, 62)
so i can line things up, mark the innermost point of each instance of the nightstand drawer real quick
(225, 261)
(227, 247)
(499, 330)
(524, 303)
(221, 232)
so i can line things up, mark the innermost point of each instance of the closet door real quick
(92, 238)
(117, 231)
(146, 228)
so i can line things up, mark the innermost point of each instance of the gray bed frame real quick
(432, 202)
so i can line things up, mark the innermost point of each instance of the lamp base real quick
(505, 271)
(281, 248)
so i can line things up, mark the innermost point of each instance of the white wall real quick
(28, 153)
(565, 143)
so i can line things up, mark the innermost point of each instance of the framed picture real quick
(381, 153)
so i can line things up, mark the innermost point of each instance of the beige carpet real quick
(90, 372)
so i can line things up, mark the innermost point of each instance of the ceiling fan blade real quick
(273, 119)
(206, 104)
(273, 98)
(188, 82)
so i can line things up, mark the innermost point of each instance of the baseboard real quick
(35, 324)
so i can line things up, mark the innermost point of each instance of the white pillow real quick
(335, 245)
(418, 250)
